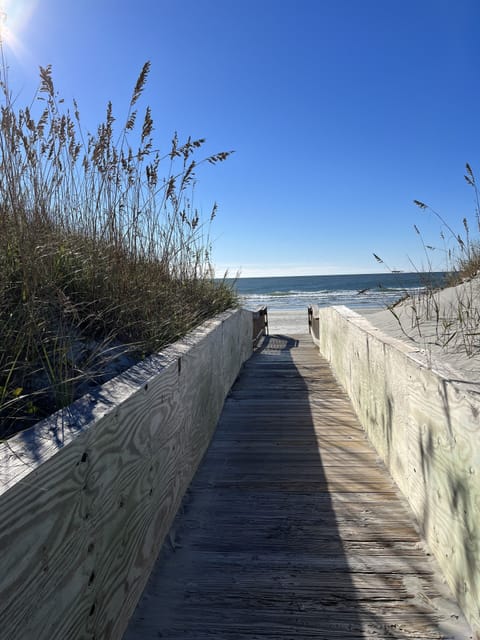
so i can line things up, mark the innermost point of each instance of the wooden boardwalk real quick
(292, 528)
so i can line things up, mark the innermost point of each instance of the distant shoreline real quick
(355, 291)
(414, 322)
(393, 272)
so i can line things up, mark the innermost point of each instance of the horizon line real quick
(323, 275)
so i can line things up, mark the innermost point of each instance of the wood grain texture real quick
(424, 421)
(292, 527)
(260, 324)
(87, 498)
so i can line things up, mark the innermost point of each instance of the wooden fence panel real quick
(87, 497)
(424, 421)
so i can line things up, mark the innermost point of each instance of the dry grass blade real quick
(457, 326)
(140, 84)
(102, 260)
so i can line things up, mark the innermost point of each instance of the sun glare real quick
(14, 18)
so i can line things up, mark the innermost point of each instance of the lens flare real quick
(15, 16)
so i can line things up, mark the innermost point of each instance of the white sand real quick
(288, 322)
(445, 325)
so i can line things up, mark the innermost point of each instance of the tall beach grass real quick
(456, 323)
(103, 258)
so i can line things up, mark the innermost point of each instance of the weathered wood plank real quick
(423, 419)
(292, 528)
(87, 498)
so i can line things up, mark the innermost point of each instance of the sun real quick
(14, 18)
(4, 31)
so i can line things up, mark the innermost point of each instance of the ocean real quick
(363, 290)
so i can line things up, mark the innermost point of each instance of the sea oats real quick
(100, 255)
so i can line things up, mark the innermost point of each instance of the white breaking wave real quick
(301, 299)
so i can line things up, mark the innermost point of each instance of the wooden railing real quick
(422, 418)
(260, 324)
(313, 321)
(105, 478)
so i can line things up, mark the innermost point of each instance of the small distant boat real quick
(397, 271)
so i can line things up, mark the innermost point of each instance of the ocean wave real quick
(320, 292)
(361, 290)
(302, 299)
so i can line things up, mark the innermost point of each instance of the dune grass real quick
(103, 258)
(456, 323)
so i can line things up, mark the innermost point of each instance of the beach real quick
(288, 322)
(288, 298)
(443, 324)
(357, 291)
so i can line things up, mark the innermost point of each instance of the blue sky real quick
(340, 113)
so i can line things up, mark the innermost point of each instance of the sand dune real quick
(444, 324)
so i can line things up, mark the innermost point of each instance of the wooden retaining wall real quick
(424, 421)
(87, 497)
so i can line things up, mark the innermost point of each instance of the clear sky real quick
(340, 112)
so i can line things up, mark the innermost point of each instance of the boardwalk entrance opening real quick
(292, 528)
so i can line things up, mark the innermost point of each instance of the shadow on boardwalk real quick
(290, 528)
